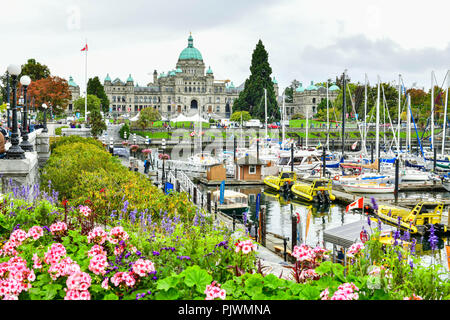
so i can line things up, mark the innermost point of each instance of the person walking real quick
(146, 166)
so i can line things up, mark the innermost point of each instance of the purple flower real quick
(433, 239)
(155, 253)
(368, 221)
(374, 203)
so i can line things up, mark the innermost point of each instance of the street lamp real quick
(45, 107)
(163, 144)
(26, 145)
(7, 100)
(15, 151)
(111, 145)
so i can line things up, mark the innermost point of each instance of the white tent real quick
(181, 118)
(135, 118)
(197, 118)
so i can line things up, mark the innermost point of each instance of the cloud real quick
(361, 55)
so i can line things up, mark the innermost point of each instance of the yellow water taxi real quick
(318, 191)
(283, 182)
(418, 220)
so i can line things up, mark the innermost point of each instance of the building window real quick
(252, 169)
(313, 100)
(218, 109)
(169, 108)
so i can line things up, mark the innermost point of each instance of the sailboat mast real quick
(432, 111)
(365, 113)
(408, 117)
(344, 110)
(445, 116)
(283, 119)
(328, 122)
(377, 125)
(307, 125)
(265, 110)
(399, 106)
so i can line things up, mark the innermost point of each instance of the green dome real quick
(178, 70)
(300, 88)
(107, 77)
(274, 80)
(72, 83)
(209, 71)
(130, 79)
(172, 73)
(190, 53)
(334, 87)
(311, 87)
(231, 85)
(162, 75)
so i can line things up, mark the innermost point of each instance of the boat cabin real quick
(249, 168)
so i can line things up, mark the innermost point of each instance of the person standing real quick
(2, 146)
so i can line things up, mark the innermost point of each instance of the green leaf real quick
(272, 282)
(194, 276)
(325, 267)
(254, 285)
(167, 283)
(309, 293)
(171, 294)
(111, 296)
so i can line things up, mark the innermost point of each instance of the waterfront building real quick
(307, 99)
(188, 87)
(75, 92)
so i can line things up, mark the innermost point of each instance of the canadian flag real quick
(358, 204)
(85, 48)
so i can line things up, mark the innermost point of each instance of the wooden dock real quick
(229, 182)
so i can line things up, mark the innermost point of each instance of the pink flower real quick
(303, 253)
(105, 284)
(97, 235)
(98, 264)
(58, 227)
(18, 236)
(143, 267)
(117, 234)
(355, 249)
(213, 291)
(95, 250)
(85, 210)
(35, 232)
(245, 246)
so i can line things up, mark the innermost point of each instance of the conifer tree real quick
(251, 99)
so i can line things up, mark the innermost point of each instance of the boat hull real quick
(368, 189)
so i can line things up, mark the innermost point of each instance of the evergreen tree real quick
(95, 87)
(251, 99)
(98, 125)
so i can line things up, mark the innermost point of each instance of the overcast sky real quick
(306, 40)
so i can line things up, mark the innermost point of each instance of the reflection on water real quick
(280, 210)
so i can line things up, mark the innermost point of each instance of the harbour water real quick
(279, 222)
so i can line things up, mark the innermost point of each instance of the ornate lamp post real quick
(45, 107)
(7, 101)
(15, 151)
(25, 145)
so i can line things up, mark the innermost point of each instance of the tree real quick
(251, 99)
(236, 116)
(35, 70)
(97, 123)
(95, 87)
(53, 91)
(93, 104)
(148, 115)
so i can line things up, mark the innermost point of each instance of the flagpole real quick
(85, 82)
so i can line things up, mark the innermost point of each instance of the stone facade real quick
(75, 91)
(307, 99)
(183, 90)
